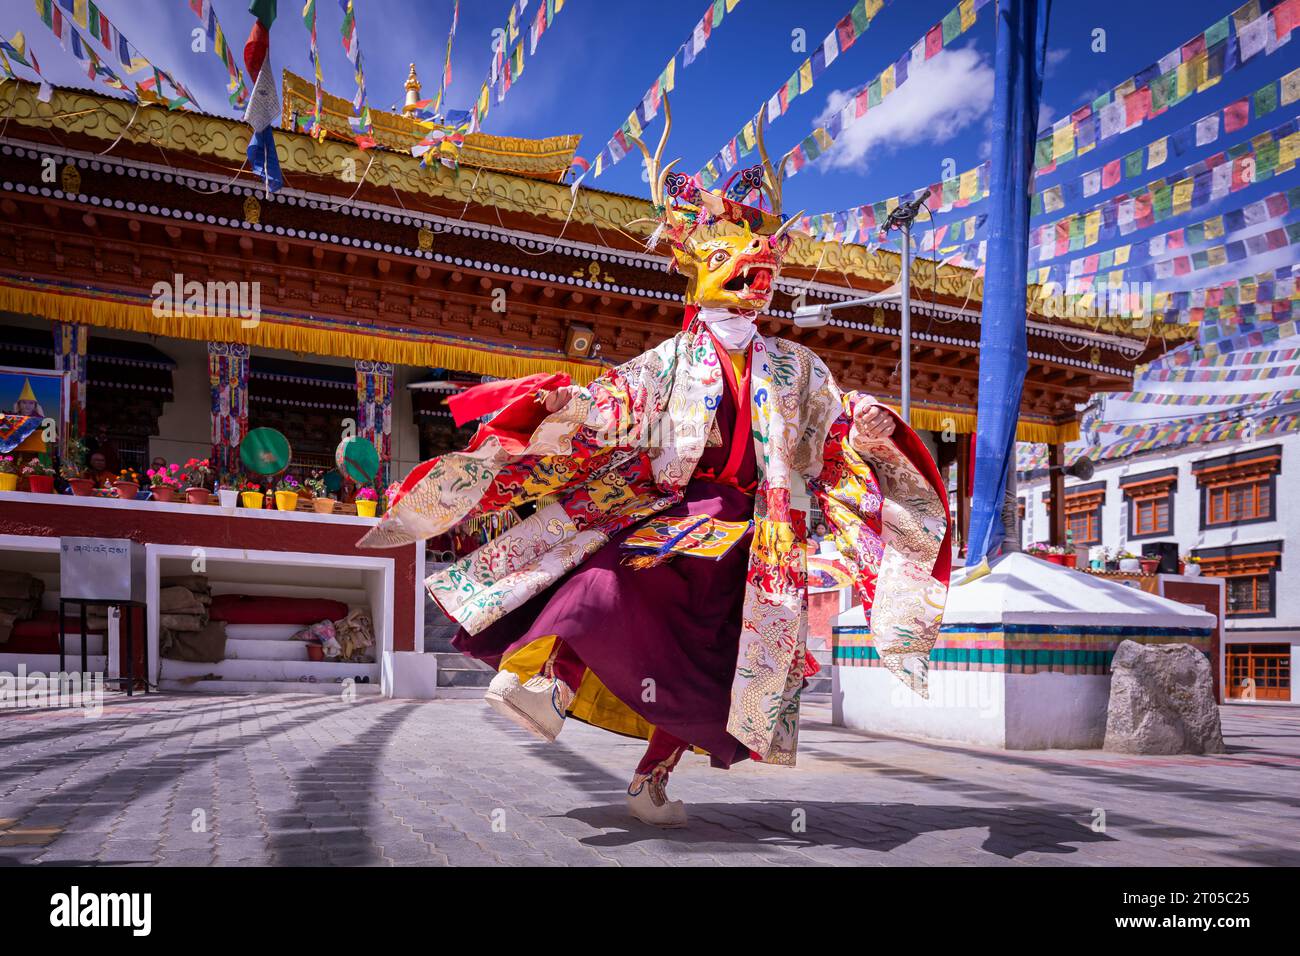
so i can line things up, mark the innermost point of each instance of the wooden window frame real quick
(1263, 561)
(1087, 501)
(1259, 469)
(1249, 652)
(1153, 489)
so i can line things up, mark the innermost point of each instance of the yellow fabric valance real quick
(115, 311)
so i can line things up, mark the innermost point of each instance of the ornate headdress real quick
(730, 251)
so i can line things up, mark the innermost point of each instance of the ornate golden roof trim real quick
(550, 156)
(106, 118)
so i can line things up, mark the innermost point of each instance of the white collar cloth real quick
(733, 330)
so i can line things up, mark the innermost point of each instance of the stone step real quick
(458, 670)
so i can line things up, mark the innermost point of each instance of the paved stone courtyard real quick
(302, 779)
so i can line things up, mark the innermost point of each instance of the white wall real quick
(1281, 628)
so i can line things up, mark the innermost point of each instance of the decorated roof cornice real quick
(548, 158)
(217, 138)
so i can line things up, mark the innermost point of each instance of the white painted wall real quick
(1281, 628)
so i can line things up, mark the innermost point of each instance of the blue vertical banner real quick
(1020, 50)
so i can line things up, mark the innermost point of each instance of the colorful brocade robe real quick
(625, 448)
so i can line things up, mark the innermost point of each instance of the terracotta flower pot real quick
(366, 509)
(1071, 560)
(163, 493)
(197, 496)
(315, 652)
(286, 500)
(81, 487)
(1055, 558)
(1150, 567)
(126, 490)
(41, 484)
(252, 499)
(8, 482)
(323, 506)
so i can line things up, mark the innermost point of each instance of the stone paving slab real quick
(290, 779)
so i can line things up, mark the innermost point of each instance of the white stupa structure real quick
(1022, 661)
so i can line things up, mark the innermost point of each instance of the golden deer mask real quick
(729, 252)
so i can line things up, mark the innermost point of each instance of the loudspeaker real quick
(579, 341)
(1166, 551)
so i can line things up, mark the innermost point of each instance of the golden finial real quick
(412, 90)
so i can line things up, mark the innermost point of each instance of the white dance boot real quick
(538, 706)
(647, 799)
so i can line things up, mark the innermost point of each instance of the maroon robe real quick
(676, 624)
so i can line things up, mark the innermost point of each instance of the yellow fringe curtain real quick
(963, 423)
(275, 334)
(278, 334)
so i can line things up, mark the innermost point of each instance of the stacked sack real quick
(186, 632)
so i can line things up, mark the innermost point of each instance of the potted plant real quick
(320, 496)
(1191, 565)
(72, 468)
(1097, 558)
(250, 493)
(286, 492)
(127, 484)
(164, 483)
(1129, 562)
(367, 501)
(40, 475)
(1070, 557)
(196, 478)
(8, 473)
(1150, 565)
(226, 492)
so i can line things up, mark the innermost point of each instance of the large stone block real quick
(1162, 701)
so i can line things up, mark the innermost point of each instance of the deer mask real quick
(729, 252)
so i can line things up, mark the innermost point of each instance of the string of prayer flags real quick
(362, 128)
(1273, 206)
(263, 110)
(870, 95)
(70, 39)
(852, 25)
(1189, 69)
(507, 64)
(445, 79)
(236, 89)
(86, 15)
(17, 50)
(1263, 156)
(1202, 132)
(647, 108)
(311, 125)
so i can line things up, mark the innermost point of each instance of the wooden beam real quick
(1056, 482)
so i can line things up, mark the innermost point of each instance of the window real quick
(1150, 503)
(1237, 501)
(1082, 512)
(1259, 671)
(1238, 488)
(1249, 594)
(1082, 526)
(1250, 571)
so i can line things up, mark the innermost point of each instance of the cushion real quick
(269, 609)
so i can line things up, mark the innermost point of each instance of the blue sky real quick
(601, 55)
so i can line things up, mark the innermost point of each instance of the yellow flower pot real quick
(286, 500)
(366, 509)
(252, 499)
(8, 482)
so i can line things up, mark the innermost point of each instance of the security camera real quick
(811, 316)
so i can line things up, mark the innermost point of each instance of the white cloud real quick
(940, 99)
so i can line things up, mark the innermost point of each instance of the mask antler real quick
(773, 177)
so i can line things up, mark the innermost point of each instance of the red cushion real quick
(262, 609)
(40, 634)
